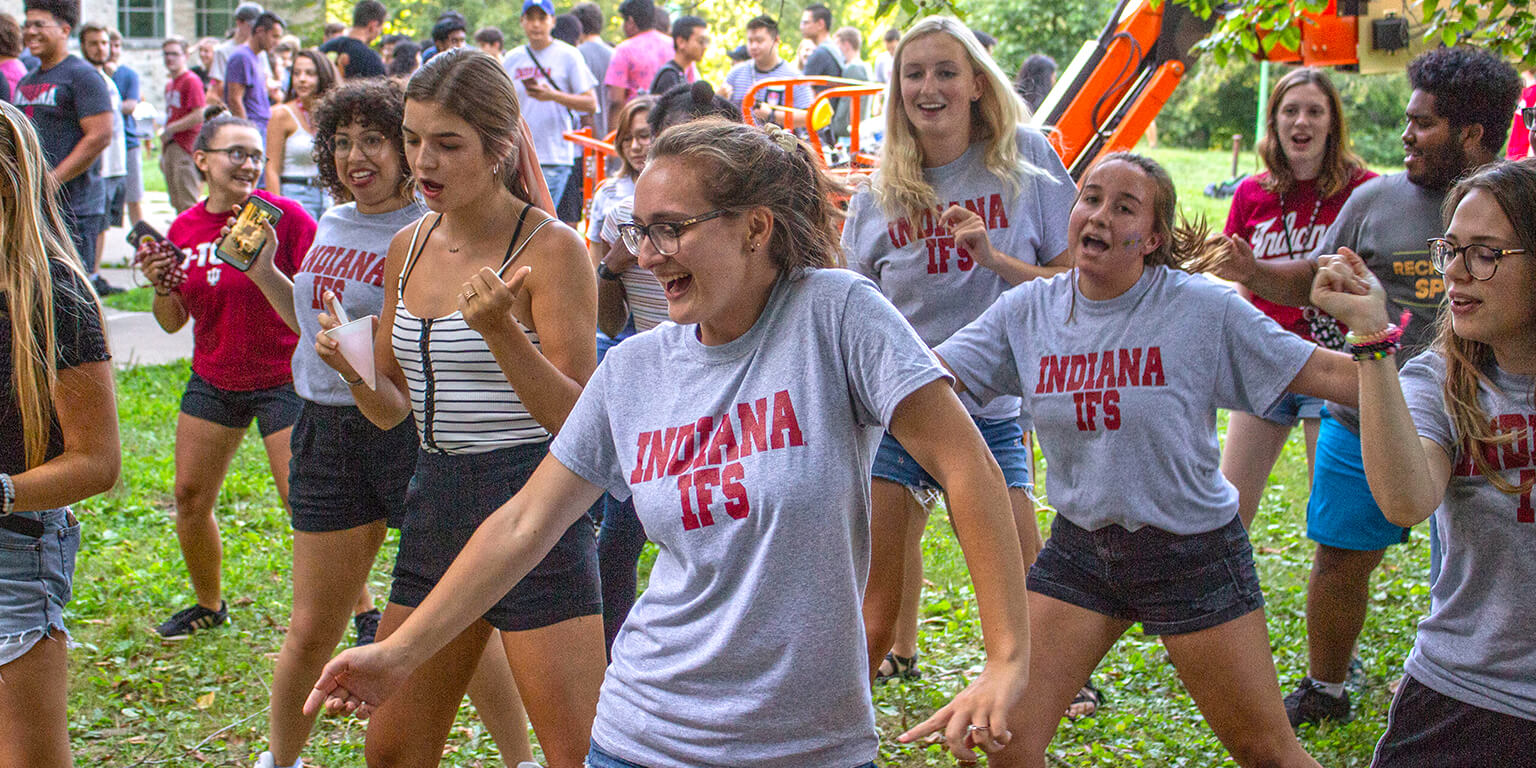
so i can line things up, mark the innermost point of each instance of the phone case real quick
(143, 233)
(245, 240)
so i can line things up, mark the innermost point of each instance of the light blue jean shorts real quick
(35, 581)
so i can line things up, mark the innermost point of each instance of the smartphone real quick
(142, 232)
(245, 240)
(530, 83)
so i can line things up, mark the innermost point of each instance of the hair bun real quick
(703, 93)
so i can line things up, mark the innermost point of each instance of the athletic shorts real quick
(1341, 512)
(36, 578)
(1003, 436)
(345, 471)
(448, 498)
(117, 197)
(1172, 584)
(274, 410)
(1291, 408)
(597, 758)
(1427, 729)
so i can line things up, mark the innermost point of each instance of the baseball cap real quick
(544, 5)
(247, 12)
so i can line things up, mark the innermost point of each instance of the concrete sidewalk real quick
(135, 337)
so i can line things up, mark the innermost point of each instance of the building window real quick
(215, 17)
(141, 18)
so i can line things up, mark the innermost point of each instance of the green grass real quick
(149, 161)
(137, 701)
(132, 300)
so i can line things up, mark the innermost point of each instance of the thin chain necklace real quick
(1290, 237)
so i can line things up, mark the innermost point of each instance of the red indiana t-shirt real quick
(182, 96)
(239, 342)
(1256, 217)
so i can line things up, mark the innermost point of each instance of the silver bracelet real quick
(8, 489)
(347, 381)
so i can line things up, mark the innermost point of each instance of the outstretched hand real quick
(357, 682)
(977, 718)
(1345, 288)
(1236, 262)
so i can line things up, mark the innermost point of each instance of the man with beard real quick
(1457, 120)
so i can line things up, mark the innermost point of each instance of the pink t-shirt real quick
(14, 71)
(1284, 232)
(636, 60)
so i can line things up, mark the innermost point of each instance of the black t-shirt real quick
(668, 77)
(56, 99)
(5, 88)
(362, 61)
(79, 339)
(823, 62)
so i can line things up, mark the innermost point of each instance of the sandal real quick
(898, 668)
(1087, 695)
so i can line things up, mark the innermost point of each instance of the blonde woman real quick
(967, 203)
(58, 445)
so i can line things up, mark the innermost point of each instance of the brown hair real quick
(624, 129)
(472, 85)
(1182, 244)
(325, 74)
(1513, 186)
(10, 36)
(746, 167)
(1340, 164)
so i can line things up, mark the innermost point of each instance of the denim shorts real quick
(448, 498)
(1172, 584)
(1341, 513)
(1291, 408)
(35, 581)
(597, 758)
(1004, 437)
(314, 200)
(274, 410)
(345, 471)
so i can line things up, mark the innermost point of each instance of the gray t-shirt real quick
(1478, 644)
(597, 55)
(547, 120)
(347, 257)
(749, 466)
(1388, 221)
(914, 260)
(1124, 391)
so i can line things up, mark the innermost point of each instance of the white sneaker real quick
(267, 761)
(526, 764)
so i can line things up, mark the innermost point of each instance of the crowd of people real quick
(817, 375)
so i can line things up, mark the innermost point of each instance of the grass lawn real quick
(135, 700)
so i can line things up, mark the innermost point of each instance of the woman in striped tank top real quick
(487, 340)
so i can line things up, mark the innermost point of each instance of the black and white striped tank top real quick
(462, 401)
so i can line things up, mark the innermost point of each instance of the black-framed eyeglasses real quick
(663, 234)
(1528, 116)
(1481, 261)
(238, 155)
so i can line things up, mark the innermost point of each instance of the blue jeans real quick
(555, 176)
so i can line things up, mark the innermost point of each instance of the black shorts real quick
(345, 471)
(1427, 729)
(117, 197)
(274, 410)
(1172, 584)
(449, 497)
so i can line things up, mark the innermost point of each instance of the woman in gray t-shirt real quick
(1454, 436)
(748, 455)
(967, 203)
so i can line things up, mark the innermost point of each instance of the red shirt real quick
(182, 96)
(1255, 216)
(1519, 137)
(239, 342)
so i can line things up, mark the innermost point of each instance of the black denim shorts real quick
(450, 495)
(274, 410)
(345, 471)
(1172, 584)
(1427, 729)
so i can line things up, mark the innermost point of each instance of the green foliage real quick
(1027, 27)
(131, 300)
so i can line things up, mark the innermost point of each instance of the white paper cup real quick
(356, 341)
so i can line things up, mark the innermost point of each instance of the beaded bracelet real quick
(1361, 354)
(1377, 345)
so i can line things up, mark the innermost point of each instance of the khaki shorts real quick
(182, 180)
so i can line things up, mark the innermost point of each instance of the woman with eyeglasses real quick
(240, 351)
(349, 477)
(748, 457)
(486, 337)
(1454, 435)
(58, 445)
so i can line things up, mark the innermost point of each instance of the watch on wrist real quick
(604, 273)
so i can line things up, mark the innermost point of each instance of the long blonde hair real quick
(32, 237)
(1513, 185)
(899, 186)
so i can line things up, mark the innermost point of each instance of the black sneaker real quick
(366, 625)
(104, 288)
(898, 668)
(1308, 704)
(189, 620)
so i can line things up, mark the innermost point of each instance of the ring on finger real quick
(972, 728)
(469, 294)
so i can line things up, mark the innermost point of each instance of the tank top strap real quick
(522, 218)
(412, 253)
(514, 249)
